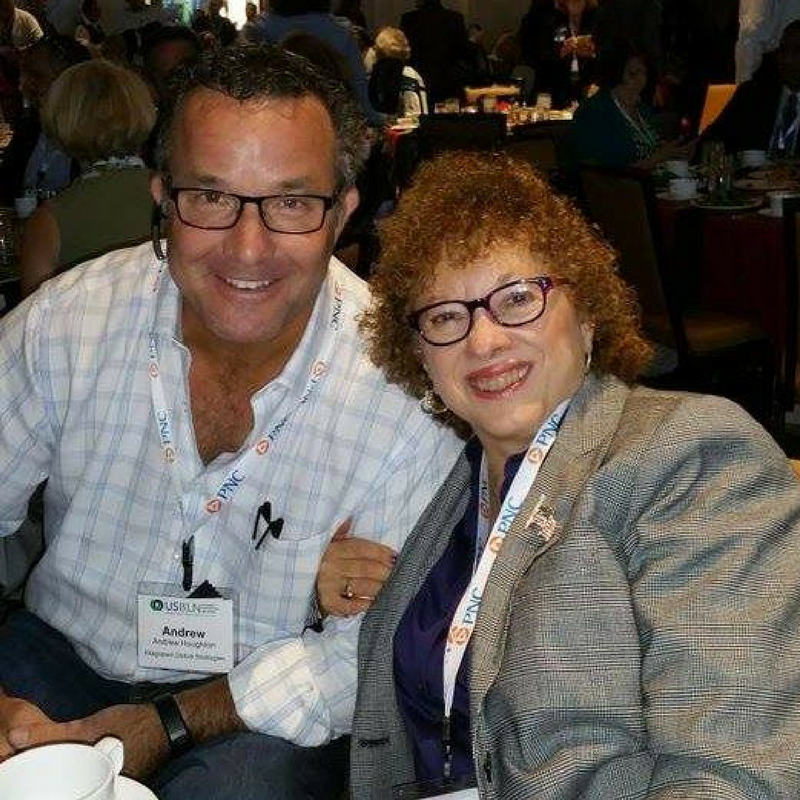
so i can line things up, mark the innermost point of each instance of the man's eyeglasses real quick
(510, 305)
(212, 210)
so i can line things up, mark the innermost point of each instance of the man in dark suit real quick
(763, 113)
(439, 47)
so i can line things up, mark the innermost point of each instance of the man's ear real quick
(348, 203)
(158, 190)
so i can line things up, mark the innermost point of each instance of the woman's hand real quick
(351, 573)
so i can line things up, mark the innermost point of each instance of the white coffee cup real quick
(678, 167)
(683, 188)
(776, 202)
(753, 158)
(63, 771)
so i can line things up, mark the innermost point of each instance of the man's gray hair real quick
(261, 72)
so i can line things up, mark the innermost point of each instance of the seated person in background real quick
(505, 56)
(395, 87)
(89, 31)
(163, 50)
(314, 17)
(764, 113)
(206, 418)
(32, 163)
(101, 115)
(479, 58)
(603, 600)
(614, 127)
(18, 28)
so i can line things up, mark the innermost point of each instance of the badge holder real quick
(193, 633)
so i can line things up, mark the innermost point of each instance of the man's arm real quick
(208, 711)
(299, 688)
(26, 434)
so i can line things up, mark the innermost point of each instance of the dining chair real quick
(715, 352)
(538, 151)
(717, 97)
(441, 132)
(789, 391)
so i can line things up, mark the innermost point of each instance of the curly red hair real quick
(458, 208)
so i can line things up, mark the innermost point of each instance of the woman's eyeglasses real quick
(512, 304)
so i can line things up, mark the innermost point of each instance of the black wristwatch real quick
(178, 736)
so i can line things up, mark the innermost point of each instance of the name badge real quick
(184, 633)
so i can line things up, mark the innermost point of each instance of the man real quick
(760, 25)
(440, 49)
(163, 50)
(249, 31)
(763, 112)
(205, 422)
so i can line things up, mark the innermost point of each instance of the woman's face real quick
(634, 77)
(504, 381)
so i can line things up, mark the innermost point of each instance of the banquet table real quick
(732, 262)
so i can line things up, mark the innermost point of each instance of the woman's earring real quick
(432, 404)
(588, 362)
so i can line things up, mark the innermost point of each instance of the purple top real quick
(420, 638)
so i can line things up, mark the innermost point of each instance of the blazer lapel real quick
(543, 519)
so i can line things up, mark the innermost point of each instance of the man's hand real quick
(351, 573)
(138, 726)
(14, 714)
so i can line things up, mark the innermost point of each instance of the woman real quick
(101, 115)
(614, 128)
(635, 575)
(395, 87)
(561, 48)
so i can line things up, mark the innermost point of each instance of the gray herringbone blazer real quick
(651, 649)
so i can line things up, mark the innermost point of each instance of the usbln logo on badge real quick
(184, 633)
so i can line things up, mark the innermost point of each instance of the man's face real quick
(248, 285)
(788, 60)
(162, 61)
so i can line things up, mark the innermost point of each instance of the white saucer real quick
(128, 789)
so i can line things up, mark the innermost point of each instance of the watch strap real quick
(169, 712)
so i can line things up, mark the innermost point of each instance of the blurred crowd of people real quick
(630, 64)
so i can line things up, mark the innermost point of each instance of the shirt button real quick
(177, 555)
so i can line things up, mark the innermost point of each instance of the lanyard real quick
(253, 457)
(466, 615)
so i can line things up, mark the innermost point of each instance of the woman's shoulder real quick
(600, 102)
(660, 427)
